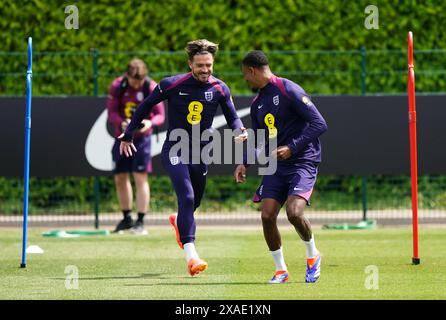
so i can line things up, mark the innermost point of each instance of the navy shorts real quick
(295, 180)
(141, 161)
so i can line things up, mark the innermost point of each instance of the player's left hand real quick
(147, 125)
(126, 147)
(281, 153)
(242, 137)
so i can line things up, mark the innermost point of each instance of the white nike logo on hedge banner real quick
(99, 143)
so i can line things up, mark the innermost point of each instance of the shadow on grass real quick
(207, 284)
(144, 275)
(183, 280)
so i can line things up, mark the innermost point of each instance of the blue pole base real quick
(23, 265)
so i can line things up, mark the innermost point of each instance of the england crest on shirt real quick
(208, 95)
(174, 161)
(276, 100)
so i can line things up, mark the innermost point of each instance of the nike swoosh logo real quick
(260, 107)
(183, 93)
(99, 143)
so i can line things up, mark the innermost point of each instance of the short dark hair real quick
(255, 59)
(201, 46)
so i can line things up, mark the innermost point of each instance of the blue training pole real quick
(29, 76)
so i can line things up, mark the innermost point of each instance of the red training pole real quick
(413, 147)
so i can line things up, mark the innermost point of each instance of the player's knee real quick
(141, 182)
(294, 218)
(187, 200)
(140, 177)
(121, 179)
(294, 212)
(268, 216)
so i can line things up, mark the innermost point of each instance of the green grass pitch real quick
(153, 267)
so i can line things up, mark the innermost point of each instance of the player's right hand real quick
(125, 124)
(243, 136)
(240, 173)
(126, 147)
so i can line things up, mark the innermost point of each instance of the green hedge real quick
(239, 26)
(76, 195)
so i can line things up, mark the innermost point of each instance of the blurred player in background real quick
(125, 93)
(286, 113)
(193, 99)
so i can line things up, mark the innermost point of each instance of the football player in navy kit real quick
(286, 113)
(193, 99)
